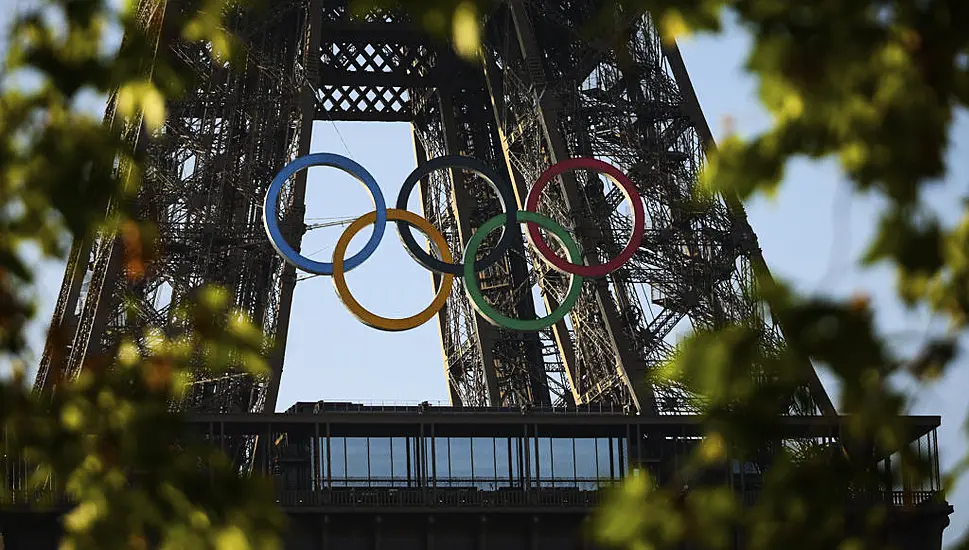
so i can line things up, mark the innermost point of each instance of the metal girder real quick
(205, 175)
(756, 258)
(548, 90)
(484, 365)
(562, 91)
(599, 311)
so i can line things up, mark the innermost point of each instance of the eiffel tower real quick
(546, 89)
(550, 417)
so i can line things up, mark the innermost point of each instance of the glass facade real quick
(485, 463)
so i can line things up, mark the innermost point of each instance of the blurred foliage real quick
(871, 84)
(111, 442)
(110, 438)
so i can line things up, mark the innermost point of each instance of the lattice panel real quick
(363, 103)
(372, 55)
(624, 107)
(372, 75)
(339, 11)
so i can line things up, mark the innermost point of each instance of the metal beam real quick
(296, 218)
(695, 112)
(628, 366)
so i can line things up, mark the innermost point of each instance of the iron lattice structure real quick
(546, 90)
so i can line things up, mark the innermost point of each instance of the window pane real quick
(517, 460)
(357, 460)
(460, 460)
(585, 462)
(585, 457)
(564, 460)
(483, 453)
(338, 464)
(441, 461)
(501, 461)
(484, 458)
(400, 451)
(428, 465)
(546, 466)
(606, 470)
(380, 460)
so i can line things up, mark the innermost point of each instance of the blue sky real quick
(811, 233)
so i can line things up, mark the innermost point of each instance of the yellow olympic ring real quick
(371, 319)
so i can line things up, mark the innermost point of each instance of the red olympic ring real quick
(628, 188)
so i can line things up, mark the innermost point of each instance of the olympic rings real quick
(508, 220)
(271, 214)
(361, 313)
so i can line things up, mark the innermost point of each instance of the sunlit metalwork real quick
(547, 90)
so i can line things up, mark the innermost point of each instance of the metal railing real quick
(896, 499)
(464, 497)
(457, 482)
(438, 498)
(414, 406)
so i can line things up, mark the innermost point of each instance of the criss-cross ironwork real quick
(547, 87)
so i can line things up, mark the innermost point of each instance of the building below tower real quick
(356, 477)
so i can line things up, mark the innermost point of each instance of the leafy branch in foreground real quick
(808, 484)
(110, 438)
(110, 441)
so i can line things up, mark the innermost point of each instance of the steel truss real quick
(560, 93)
(205, 174)
(545, 92)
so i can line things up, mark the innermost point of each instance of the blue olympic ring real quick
(271, 212)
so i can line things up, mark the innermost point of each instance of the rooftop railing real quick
(417, 406)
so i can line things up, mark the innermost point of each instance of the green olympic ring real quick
(488, 311)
